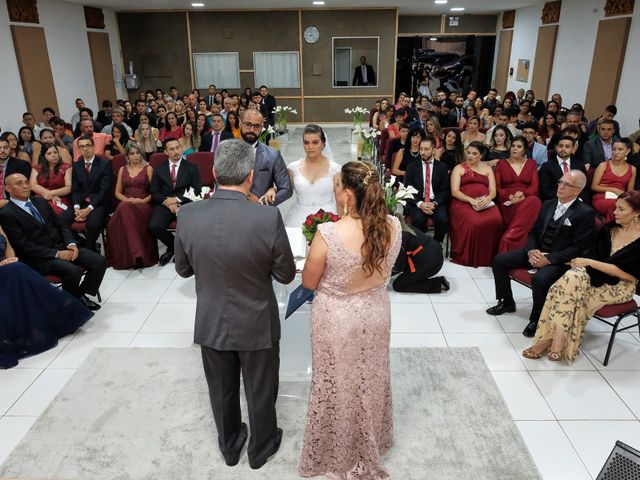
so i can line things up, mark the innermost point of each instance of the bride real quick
(312, 178)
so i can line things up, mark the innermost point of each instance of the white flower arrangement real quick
(357, 113)
(401, 195)
(265, 133)
(281, 113)
(191, 194)
(367, 133)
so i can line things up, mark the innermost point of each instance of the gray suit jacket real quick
(234, 247)
(593, 152)
(269, 170)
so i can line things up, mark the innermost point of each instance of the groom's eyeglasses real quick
(252, 126)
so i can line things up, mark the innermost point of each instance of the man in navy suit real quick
(271, 181)
(91, 182)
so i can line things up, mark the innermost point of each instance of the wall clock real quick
(311, 35)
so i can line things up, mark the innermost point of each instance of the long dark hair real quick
(124, 134)
(458, 151)
(363, 179)
(508, 136)
(227, 125)
(418, 131)
(43, 161)
(481, 147)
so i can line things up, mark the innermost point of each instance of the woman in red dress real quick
(172, 128)
(475, 221)
(129, 243)
(517, 184)
(612, 178)
(51, 179)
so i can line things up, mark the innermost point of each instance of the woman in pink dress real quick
(349, 417)
(612, 178)
(51, 179)
(475, 221)
(129, 243)
(517, 184)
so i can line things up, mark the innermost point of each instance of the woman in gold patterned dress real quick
(609, 277)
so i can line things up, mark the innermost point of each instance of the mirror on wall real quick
(355, 61)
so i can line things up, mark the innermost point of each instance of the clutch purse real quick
(488, 205)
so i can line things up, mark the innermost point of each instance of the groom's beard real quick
(249, 137)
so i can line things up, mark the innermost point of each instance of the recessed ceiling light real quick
(457, 9)
(197, 4)
(433, 39)
(318, 3)
(441, 2)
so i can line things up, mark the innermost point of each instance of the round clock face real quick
(311, 35)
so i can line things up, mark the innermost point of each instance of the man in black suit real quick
(211, 140)
(431, 203)
(170, 181)
(562, 232)
(269, 102)
(9, 165)
(91, 181)
(43, 241)
(552, 170)
(423, 116)
(447, 116)
(364, 74)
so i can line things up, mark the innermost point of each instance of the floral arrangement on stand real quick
(191, 195)
(265, 133)
(368, 136)
(281, 113)
(396, 195)
(310, 225)
(358, 113)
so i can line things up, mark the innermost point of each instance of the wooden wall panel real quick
(504, 57)
(102, 66)
(35, 68)
(543, 63)
(606, 67)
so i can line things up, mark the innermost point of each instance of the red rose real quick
(320, 212)
(308, 222)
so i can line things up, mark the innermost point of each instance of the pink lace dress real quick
(349, 416)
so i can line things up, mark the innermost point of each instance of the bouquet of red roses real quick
(310, 225)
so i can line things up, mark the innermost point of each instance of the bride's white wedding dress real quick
(310, 197)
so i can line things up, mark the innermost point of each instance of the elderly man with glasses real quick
(563, 231)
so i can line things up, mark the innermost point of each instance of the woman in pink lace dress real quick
(349, 417)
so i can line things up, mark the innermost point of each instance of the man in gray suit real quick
(234, 248)
(271, 181)
(599, 149)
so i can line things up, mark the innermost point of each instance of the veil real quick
(327, 152)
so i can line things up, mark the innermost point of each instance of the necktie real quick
(1, 182)
(427, 182)
(87, 167)
(559, 211)
(214, 143)
(565, 167)
(173, 175)
(34, 212)
(459, 114)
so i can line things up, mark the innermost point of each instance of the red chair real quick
(157, 158)
(56, 281)
(204, 162)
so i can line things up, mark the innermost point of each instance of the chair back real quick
(157, 158)
(204, 162)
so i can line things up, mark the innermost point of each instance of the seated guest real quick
(534, 150)
(34, 314)
(48, 136)
(499, 146)
(419, 260)
(447, 117)
(232, 125)
(423, 116)
(476, 224)
(563, 231)
(612, 178)
(431, 179)
(548, 129)
(172, 128)
(146, 138)
(186, 142)
(14, 149)
(434, 130)
(44, 242)
(129, 242)
(552, 170)
(100, 140)
(9, 165)
(62, 139)
(117, 117)
(26, 137)
(51, 179)
(610, 111)
(91, 181)
(394, 127)
(210, 140)
(169, 182)
(105, 116)
(517, 184)
(574, 119)
(86, 114)
(504, 119)
(472, 132)
(598, 149)
(608, 276)
(119, 138)
(452, 152)
(397, 143)
(409, 154)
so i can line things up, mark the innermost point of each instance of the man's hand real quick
(428, 207)
(74, 251)
(82, 214)
(65, 255)
(537, 259)
(252, 198)
(174, 208)
(269, 197)
(170, 201)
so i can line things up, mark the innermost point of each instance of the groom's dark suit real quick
(270, 169)
(237, 319)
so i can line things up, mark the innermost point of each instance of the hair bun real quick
(370, 177)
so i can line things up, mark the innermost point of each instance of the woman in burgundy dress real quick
(476, 224)
(615, 176)
(517, 184)
(51, 179)
(129, 243)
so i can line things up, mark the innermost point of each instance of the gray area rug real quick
(145, 414)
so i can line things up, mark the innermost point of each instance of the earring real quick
(635, 219)
(346, 209)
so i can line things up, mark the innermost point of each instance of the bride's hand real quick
(7, 261)
(269, 197)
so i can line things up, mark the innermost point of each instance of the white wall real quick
(523, 45)
(111, 27)
(13, 104)
(627, 101)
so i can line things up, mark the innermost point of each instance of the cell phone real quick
(507, 203)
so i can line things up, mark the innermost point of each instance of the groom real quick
(237, 319)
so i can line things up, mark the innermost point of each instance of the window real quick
(221, 69)
(277, 69)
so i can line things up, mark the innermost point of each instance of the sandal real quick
(531, 354)
(554, 356)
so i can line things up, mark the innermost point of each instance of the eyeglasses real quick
(566, 184)
(252, 126)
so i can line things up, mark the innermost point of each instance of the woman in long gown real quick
(129, 243)
(34, 314)
(517, 184)
(609, 277)
(615, 176)
(51, 178)
(475, 224)
(312, 179)
(349, 416)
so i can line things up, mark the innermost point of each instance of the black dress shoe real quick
(446, 286)
(259, 463)
(90, 304)
(232, 460)
(530, 329)
(502, 307)
(165, 258)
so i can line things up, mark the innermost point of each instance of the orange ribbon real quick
(412, 267)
